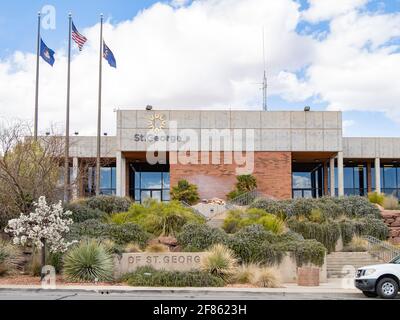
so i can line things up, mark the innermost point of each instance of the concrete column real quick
(74, 180)
(332, 176)
(378, 175)
(340, 174)
(121, 174)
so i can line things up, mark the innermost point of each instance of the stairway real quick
(336, 261)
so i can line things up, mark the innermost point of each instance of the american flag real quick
(78, 38)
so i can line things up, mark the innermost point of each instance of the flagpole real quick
(35, 129)
(99, 110)
(66, 163)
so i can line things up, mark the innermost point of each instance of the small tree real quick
(185, 191)
(46, 226)
(245, 183)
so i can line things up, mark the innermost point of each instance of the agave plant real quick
(89, 261)
(10, 257)
(219, 261)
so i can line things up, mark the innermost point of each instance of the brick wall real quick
(273, 171)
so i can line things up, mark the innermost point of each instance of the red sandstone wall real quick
(392, 219)
(273, 171)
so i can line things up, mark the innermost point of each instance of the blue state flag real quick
(46, 53)
(109, 56)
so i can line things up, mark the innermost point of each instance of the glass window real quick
(389, 177)
(301, 180)
(165, 195)
(145, 194)
(349, 177)
(105, 178)
(398, 177)
(166, 180)
(137, 180)
(151, 180)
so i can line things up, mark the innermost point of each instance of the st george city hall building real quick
(291, 153)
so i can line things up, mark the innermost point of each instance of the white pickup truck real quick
(381, 280)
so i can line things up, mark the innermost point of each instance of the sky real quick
(206, 54)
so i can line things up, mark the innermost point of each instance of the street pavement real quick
(187, 294)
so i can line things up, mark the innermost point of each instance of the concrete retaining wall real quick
(185, 261)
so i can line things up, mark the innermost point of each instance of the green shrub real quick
(327, 233)
(307, 251)
(219, 261)
(186, 192)
(199, 237)
(55, 259)
(128, 232)
(237, 219)
(279, 208)
(159, 218)
(120, 234)
(81, 212)
(372, 227)
(246, 243)
(89, 261)
(391, 202)
(354, 206)
(10, 257)
(109, 204)
(88, 229)
(375, 197)
(149, 277)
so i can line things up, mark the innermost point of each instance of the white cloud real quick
(321, 10)
(208, 54)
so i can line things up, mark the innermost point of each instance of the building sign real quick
(179, 261)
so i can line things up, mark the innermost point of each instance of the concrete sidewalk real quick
(332, 286)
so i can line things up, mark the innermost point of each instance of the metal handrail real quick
(380, 249)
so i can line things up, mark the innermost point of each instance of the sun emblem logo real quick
(157, 122)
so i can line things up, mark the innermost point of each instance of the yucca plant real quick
(10, 257)
(89, 261)
(219, 261)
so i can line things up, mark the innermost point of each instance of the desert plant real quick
(375, 197)
(327, 233)
(237, 219)
(316, 215)
(109, 204)
(266, 278)
(149, 277)
(245, 273)
(81, 212)
(391, 202)
(128, 232)
(10, 257)
(219, 261)
(186, 192)
(89, 261)
(157, 248)
(357, 244)
(159, 218)
(198, 237)
(132, 247)
(244, 183)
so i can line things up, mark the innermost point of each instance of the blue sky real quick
(18, 32)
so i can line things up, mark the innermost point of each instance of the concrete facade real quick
(279, 139)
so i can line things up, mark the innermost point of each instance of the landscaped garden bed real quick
(259, 246)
